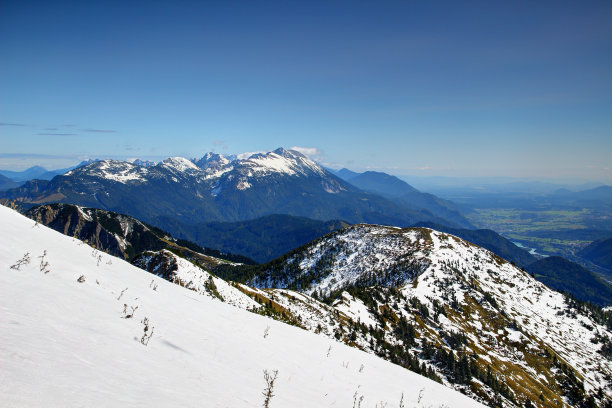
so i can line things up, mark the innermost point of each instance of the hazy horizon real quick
(438, 180)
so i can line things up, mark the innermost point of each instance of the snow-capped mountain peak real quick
(211, 159)
(114, 170)
(282, 161)
(180, 164)
(145, 163)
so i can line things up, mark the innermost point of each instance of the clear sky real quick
(454, 88)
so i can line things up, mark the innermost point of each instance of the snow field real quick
(68, 343)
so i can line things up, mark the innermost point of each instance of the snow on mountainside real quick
(115, 170)
(180, 164)
(459, 298)
(217, 189)
(427, 301)
(82, 328)
(282, 161)
(213, 168)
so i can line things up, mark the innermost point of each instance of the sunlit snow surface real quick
(435, 265)
(115, 170)
(213, 171)
(180, 164)
(67, 343)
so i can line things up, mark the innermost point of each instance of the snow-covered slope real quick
(72, 328)
(459, 298)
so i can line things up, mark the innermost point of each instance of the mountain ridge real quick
(278, 182)
(401, 192)
(442, 284)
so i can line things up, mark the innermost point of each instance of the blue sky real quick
(485, 88)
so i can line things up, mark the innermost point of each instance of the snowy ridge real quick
(541, 312)
(180, 164)
(354, 253)
(78, 316)
(442, 285)
(115, 170)
(284, 305)
(173, 268)
(284, 161)
(214, 169)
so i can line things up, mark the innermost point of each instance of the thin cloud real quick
(308, 151)
(39, 156)
(11, 124)
(56, 134)
(219, 144)
(246, 155)
(100, 130)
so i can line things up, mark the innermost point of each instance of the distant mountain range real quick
(599, 198)
(6, 183)
(12, 179)
(35, 172)
(403, 193)
(218, 188)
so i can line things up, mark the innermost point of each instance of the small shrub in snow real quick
(148, 332)
(81, 279)
(421, 391)
(130, 314)
(269, 390)
(153, 285)
(23, 261)
(121, 294)
(357, 399)
(44, 265)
